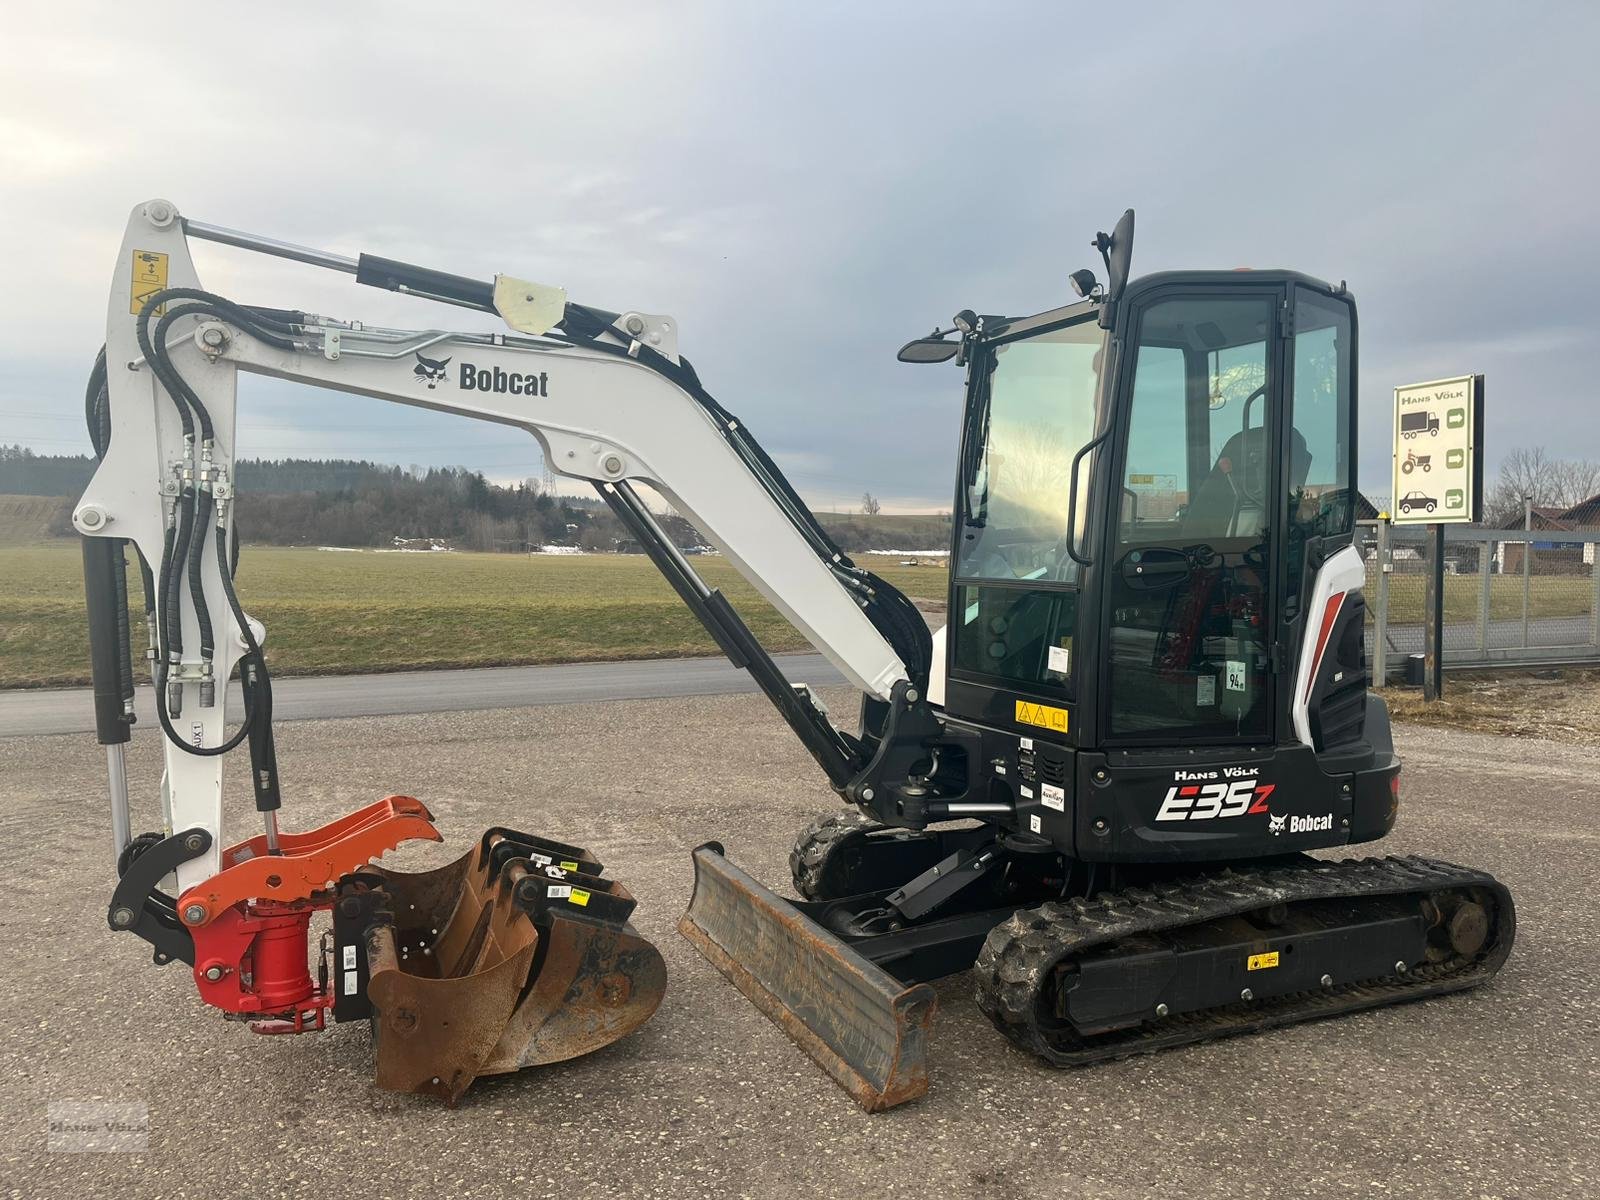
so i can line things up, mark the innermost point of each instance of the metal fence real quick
(1509, 596)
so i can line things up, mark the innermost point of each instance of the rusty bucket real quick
(517, 954)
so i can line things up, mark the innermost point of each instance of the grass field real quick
(330, 613)
(1548, 596)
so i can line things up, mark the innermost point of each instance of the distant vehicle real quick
(1417, 423)
(1412, 501)
(1415, 460)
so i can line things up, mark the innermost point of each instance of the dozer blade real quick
(861, 1025)
(517, 954)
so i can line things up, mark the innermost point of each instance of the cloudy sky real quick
(805, 186)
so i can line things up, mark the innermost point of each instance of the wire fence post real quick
(1486, 582)
(1380, 616)
(1594, 594)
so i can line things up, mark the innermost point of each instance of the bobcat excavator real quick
(1096, 789)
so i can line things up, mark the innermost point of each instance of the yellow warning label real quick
(1260, 962)
(579, 897)
(569, 866)
(1042, 715)
(149, 277)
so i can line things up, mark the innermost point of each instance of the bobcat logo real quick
(1275, 824)
(430, 370)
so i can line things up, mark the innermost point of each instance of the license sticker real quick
(1059, 660)
(1261, 962)
(1052, 796)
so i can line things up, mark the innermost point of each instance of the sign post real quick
(1437, 480)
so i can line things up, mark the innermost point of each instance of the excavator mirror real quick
(928, 350)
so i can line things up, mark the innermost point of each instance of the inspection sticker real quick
(1261, 962)
(149, 277)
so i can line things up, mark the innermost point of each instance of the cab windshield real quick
(1034, 411)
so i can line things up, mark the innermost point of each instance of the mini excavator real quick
(1097, 789)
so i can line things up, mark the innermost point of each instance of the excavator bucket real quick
(517, 954)
(859, 1023)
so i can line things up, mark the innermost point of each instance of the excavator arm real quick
(610, 401)
(606, 396)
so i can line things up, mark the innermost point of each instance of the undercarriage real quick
(1078, 963)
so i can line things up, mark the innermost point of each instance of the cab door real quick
(1189, 591)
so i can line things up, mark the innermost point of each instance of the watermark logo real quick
(98, 1126)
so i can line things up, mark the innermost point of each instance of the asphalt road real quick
(1487, 1094)
(71, 710)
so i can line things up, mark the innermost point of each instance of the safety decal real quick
(1261, 962)
(1042, 715)
(579, 897)
(149, 277)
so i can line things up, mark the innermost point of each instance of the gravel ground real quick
(1489, 1094)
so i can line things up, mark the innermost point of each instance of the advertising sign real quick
(1438, 452)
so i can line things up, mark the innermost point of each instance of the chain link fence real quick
(1509, 596)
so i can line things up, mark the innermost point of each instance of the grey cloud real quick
(806, 187)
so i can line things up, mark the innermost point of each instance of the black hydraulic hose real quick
(160, 365)
(96, 412)
(197, 592)
(172, 570)
(258, 697)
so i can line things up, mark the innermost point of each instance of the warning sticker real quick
(569, 866)
(149, 277)
(1042, 715)
(1261, 962)
(579, 897)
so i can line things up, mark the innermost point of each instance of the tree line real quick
(349, 502)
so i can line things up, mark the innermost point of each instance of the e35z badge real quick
(1214, 801)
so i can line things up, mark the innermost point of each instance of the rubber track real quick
(818, 841)
(1014, 969)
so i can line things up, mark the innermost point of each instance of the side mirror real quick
(928, 350)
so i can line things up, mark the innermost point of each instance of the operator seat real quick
(1220, 506)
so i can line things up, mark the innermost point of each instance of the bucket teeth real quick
(516, 954)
